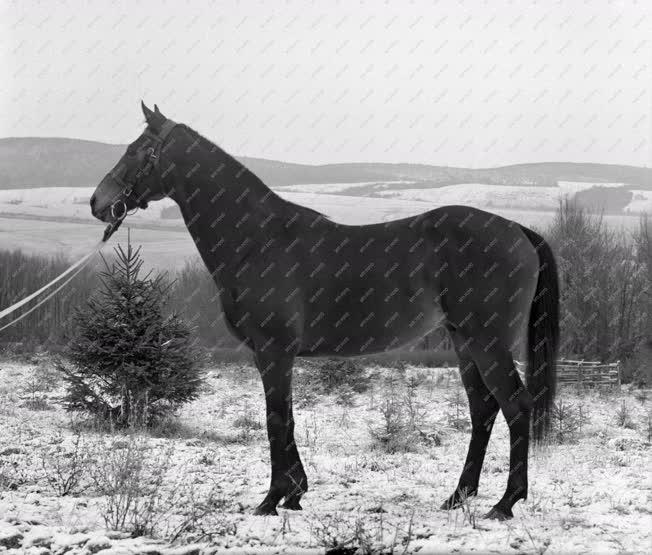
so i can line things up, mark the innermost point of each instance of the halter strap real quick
(151, 162)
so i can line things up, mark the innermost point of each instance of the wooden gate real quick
(585, 373)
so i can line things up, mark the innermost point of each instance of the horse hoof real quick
(450, 504)
(292, 505)
(265, 510)
(499, 514)
(456, 500)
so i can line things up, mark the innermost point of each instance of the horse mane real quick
(212, 147)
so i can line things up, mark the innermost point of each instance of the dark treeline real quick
(605, 286)
(605, 277)
(22, 274)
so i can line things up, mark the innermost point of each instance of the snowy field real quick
(57, 221)
(482, 195)
(386, 201)
(209, 467)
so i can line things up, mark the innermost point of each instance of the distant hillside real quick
(53, 162)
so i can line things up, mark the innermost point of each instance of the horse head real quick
(136, 179)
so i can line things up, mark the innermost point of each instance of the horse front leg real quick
(288, 479)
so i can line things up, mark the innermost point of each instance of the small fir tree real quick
(129, 361)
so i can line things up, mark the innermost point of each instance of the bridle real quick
(150, 162)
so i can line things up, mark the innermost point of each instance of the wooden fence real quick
(585, 373)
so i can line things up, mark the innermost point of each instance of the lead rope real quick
(74, 269)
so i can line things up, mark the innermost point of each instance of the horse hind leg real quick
(496, 367)
(484, 408)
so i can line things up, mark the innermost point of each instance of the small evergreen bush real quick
(128, 361)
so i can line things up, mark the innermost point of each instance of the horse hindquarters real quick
(489, 347)
(500, 382)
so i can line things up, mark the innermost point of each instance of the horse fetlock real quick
(459, 497)
(296, 488)
(291, 502)
(499, 512)
(266, 508)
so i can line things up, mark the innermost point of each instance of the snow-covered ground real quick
(334, 199)
(334, 188)
(590, 496)
(65, 202)
(71, 202)
(486, 196)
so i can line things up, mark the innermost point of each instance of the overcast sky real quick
(467, 83)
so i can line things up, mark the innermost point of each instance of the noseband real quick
(151, 161)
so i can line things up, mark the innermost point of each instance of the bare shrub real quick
(203, 517)
(337, 534)
(131, 484)
(361, 534)
(313, 433)
(142, 496)
(13, 472)
(469, 509)
(66, 469)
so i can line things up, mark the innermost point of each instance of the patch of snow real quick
(66, 202)
(641, 202)
(326, 188)
(484, 196)
(577, 186)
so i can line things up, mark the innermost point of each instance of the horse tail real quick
(543, 338)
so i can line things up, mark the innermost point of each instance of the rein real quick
(118, 211)
(74, 269)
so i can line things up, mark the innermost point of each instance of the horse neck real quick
(227, 209)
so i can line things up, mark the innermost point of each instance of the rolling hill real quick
(57, 162)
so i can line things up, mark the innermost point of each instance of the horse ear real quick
(156, 110)
(149, 115)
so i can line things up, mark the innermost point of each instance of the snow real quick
(333, 199)
(65, 202)
(486, 196)
(358, 210)
(641, 202)
(592, 496)
(577, 186)
(334, 188)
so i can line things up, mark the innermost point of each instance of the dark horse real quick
(293, 283)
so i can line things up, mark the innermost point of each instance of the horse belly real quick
(375, 321)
